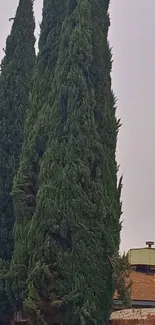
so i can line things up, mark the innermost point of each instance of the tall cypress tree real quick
(107, 127)
(16, 70)
(67, 180)
(35, 136)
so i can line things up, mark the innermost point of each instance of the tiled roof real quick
(143, 287)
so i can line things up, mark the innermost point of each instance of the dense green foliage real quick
(35, 135)
(67, 204)
(121, 276)
(6, 310)
(16, 69)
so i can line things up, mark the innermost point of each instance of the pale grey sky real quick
(132, 36)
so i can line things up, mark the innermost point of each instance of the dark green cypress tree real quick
(35, 137)
(16, 70)
(67, 180)
(107, 127)
(36, 128)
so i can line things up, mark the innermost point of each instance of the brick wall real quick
(141, 316)
(139, 313)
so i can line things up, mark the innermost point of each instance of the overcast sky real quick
(132, 36)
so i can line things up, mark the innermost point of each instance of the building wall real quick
(132, 322)
(142, 256)
(140, 316)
